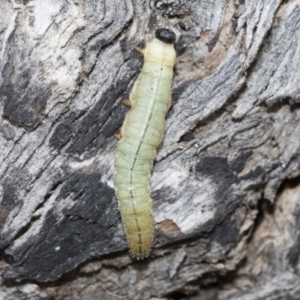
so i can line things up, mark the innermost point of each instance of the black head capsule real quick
(165, 35)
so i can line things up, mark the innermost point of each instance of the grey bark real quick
(226, 178)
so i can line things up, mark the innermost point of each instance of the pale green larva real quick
(140, 135)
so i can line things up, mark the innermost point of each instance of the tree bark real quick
(225, 183)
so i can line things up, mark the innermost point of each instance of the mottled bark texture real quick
(225, 183)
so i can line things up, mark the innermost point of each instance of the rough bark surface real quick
(226, 185)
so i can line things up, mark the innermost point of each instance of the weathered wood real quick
(232, 139)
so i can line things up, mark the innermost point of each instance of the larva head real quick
(165, 35)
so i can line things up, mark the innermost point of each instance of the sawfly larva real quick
(140, 135)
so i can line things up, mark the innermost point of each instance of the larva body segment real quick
(141, 133)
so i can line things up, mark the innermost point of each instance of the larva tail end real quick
(165, 35)
(139, 256)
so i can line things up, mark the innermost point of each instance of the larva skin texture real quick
(141, 133)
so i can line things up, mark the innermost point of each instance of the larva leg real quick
(117, 136)
(138, 49)
(126, 102)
